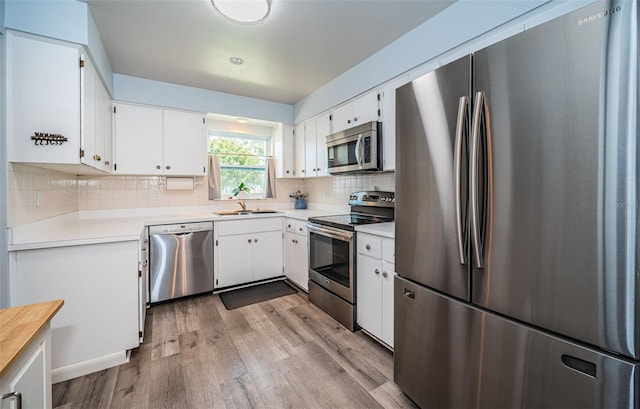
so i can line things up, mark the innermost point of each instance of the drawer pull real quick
(368, 246)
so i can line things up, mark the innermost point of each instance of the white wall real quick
(466, 24)
(144, 91)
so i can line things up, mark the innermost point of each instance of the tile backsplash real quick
(36, 194)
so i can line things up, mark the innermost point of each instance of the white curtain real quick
(270, 182)
(214, 177)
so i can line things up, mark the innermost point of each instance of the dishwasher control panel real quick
(180, 228)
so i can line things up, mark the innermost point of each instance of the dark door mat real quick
(258, 293)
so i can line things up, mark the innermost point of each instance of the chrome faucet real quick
(243, 205)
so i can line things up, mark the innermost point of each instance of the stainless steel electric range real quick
(332, 253)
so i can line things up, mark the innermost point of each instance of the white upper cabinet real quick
(156, 141)
(283, 148)
(359, 111)
(388, 108)
(323, 128)
(138, 139)
(185, 143)
(53, 93)
(300, 151)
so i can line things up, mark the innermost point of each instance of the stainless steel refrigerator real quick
(517, 219)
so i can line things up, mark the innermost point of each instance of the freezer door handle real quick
(457, 169)
(579, 365)
(480, 116)
(408, 293)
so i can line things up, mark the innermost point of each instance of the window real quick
(242, 159)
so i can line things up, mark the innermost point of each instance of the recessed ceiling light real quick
(236, 60)
(243, 11)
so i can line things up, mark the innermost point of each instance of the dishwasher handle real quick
(182, 228)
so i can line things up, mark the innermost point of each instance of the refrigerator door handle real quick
(473, 179)
(457, 169)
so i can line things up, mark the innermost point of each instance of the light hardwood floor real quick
(283, 353)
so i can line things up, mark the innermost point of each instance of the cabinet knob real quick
(288, 225)
(107, 163)
(97, 157)
(355, 119)
(384, 274)
(168, 167)
(300, 229)
(287, 172)
(348, 121)
(158, 166)
(377, 271)
(368, 246)
(255, 240)
(249, 240)
(302, 170)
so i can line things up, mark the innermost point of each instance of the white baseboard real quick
(65, 373)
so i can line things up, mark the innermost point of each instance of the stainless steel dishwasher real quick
(181, 260)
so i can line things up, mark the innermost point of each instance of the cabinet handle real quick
(368, 246)
(377, 271)
(384, 274)
(158, 166)
(16, 395)
(168, 167)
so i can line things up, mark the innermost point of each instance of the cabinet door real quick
(323, 127)
(342, 118)
(388, 118)
(310, 148)
(43, 95)
(284, 151)
(369, 294)
(300, 153)
(235, 261)
(365, 109)
(290, 255)
(138, 140)
(301, 263)
(387, 303)
(104, 138)
(31, 381)
(185, 143)
(88, 105)
(267, 255)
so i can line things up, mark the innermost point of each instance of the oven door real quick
(353, 153)
(331, 260)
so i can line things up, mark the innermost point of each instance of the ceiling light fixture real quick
(243, 11)
(236, 60)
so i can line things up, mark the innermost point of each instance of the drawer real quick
(369, 245)
(389, 250)
(232, 227)
(290, 225)
(301, 227)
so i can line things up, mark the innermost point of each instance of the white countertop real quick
(380, 229)
(93, 227)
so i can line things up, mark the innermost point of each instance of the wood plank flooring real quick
(282, 353)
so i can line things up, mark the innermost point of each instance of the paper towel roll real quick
(179, 183)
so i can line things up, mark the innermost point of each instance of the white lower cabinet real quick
(247, 250)
(99, 284)
(375, 286)
(296, 255)
(30, 375)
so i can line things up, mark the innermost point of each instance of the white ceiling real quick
(302, 45)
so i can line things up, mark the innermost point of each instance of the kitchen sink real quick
(241, 212)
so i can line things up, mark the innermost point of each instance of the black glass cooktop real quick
(348, 221)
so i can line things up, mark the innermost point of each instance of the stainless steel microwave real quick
(357, 149)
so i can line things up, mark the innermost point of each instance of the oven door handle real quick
(335, 234)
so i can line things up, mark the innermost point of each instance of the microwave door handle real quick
(359, 151)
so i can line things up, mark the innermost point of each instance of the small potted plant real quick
(299, 196)
(240, 191)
